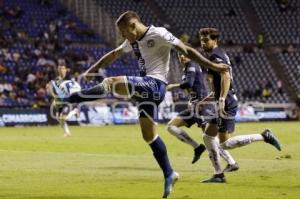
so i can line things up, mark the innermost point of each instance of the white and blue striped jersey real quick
(153, 52)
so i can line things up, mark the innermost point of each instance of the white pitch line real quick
(126, 156)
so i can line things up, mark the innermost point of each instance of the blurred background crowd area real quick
(262, 39)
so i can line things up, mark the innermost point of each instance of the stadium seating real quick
(34, 21)
(227, 16)
(35, 18)
(116, 7)
(281, 26)
(27, 50)
(252, 74)
(291, 63)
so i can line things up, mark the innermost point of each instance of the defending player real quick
(224, 124)
(193, 83)
(152, 46)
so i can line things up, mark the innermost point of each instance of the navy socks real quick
(160, 153)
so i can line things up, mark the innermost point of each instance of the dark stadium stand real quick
(255, 79)
(36, 35)
(291, 63)
(115, 7)
(227, 16)
(280, 21)
(35, 18)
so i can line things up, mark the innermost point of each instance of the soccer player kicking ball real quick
(151, 46)
(193, 83)
(223, 125)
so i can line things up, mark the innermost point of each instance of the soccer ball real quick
(69, 87)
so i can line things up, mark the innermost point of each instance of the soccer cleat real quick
(217, 178)
(60, 94)
(231, 167)
(270, 138)
(198, 152)
(169, 183)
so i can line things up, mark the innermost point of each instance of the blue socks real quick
(160, 153)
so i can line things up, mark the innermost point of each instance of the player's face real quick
(62, 71)
(207, 43)
(183, 59)
(128, 32)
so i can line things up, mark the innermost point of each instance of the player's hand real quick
(221, 108)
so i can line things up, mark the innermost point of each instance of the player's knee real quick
(170, 128)
(207, 137)
(177, 122)
(112, 80)
(169, 123)
(107, 83)
(115, 80)
(117, 84)
(225, 145)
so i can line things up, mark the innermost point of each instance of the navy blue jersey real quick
(193, 81)
(218, 55)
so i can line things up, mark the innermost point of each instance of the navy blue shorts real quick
(148, 92)
(190, 117)
(227, 124)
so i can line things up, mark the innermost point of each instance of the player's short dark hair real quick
(126, 17)
(213, 33)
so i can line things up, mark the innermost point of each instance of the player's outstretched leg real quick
(116, 85)
(160, 154)
(173, 128)
(89, 94)
(242, 140)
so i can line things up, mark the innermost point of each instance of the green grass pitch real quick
(113, 162)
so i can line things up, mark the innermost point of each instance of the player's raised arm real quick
(168, 39)
(196, 56)
(107, 59)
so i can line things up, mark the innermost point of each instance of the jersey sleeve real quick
(166, 38)
(125, 46)
(190, 77)
(219, 56)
